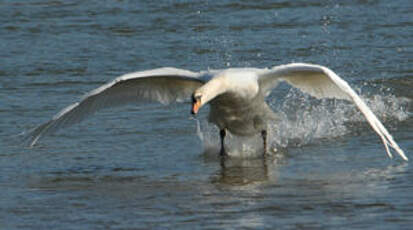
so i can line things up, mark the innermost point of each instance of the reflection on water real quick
(232, 172)
(241, 171)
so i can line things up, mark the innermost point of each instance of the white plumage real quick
(236, 96)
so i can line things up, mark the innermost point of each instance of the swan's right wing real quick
(321, 82)
(164, 85)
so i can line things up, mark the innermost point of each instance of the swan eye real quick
(195, 98)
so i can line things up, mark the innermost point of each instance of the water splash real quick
(303, 120)
(235, 146)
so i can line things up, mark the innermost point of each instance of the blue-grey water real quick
(145, 166)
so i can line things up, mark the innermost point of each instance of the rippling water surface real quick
(146, 167)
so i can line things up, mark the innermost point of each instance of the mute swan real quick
(236, 97)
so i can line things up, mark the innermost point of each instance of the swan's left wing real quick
(322, 82)
(164, 85)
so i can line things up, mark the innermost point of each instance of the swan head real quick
(210, 90)
(196, 102)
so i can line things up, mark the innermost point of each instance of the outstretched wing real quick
(322, 82)
(164, 85)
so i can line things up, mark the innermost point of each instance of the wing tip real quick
(402, 155)
(398, 150)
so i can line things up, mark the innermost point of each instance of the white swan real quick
(236, 97)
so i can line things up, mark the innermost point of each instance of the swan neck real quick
(212, 89)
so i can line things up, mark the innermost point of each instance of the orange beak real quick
(195, 106)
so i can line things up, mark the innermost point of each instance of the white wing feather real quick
(164, 85)
(322, 82)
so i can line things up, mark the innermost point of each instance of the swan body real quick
(236, 102)
(236, 97)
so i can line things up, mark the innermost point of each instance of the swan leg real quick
(264, 140)
(222, 134)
